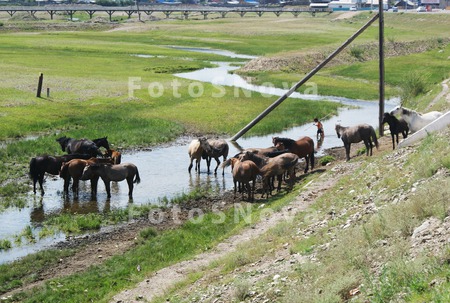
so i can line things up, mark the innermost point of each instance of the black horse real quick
(396, 126)
(102, 142)
(83, 146)
(49, 164)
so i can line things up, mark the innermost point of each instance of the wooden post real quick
(39, 88)
(381, 66)
(301, 82)
(48, 92)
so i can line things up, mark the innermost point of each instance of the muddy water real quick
(163, 170)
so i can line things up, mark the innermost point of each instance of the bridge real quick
(167, 10)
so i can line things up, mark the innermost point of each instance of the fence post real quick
(39, 88)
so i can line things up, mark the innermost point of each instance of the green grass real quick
(157, 251)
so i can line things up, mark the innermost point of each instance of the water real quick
(163, 170)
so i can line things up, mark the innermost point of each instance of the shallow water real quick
(163, 170)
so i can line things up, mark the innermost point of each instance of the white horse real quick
(195, 153)
(414, 119)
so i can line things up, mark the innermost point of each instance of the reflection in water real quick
(319, 143)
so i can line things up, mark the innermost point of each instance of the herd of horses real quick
(85, 161)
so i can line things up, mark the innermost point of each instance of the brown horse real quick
(214, 149)
(354, 134)
(244, 172)
(74, 170)
(115, 173)
(282, 163)
(114, 155)
(49, 164)
(303, 148)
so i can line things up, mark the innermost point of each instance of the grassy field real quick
(88, 74)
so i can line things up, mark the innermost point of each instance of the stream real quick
(163, 170)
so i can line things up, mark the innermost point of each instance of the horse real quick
(82, 146)
(195, 152)
(277, 168)
(102, 142)
(284, 162)
(271, 151)
(303, 148)
(73, 169)
(114, 155)
(396, 126)
(214, 149)
(244, 172)
(118, 172)
(354, 134)
(414, 119)
(49, 164)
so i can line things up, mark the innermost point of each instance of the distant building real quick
(319, 3)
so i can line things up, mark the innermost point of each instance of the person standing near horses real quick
(320, 133)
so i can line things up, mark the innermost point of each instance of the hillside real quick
(359, 222)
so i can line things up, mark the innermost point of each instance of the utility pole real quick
(381, 63)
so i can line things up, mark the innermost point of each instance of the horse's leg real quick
(108, 188)
(66, 185)
(190, 166)
(94, 184)
(347, 150)
(235, 187)
(41, 181)
(393, 140)
(217, 166)
(253, 189)
(197, 166)
(307, 164)
(75, 187)
(208, 162)
(368, 145)
(280, 178)
(130, 187)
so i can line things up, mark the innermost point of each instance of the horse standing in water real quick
(82, 146)
(303, 148)
(195, 152)
(214, 149)
(396, 126)
(74, 170)
(49, 164)
(108, 173)
(414, 119)
(354, 134)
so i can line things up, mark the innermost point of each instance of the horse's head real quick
(63, 142)
(275, 140)
(338, 130)
(397, 110)
(386, 118)
(102, 142)
(280, 146)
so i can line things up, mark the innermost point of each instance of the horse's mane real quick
(409, 112)
(287, 142)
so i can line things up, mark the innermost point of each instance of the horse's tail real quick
(374, 138)
(64, 171)
(137, 179)
(33, 168)
(226, 163)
